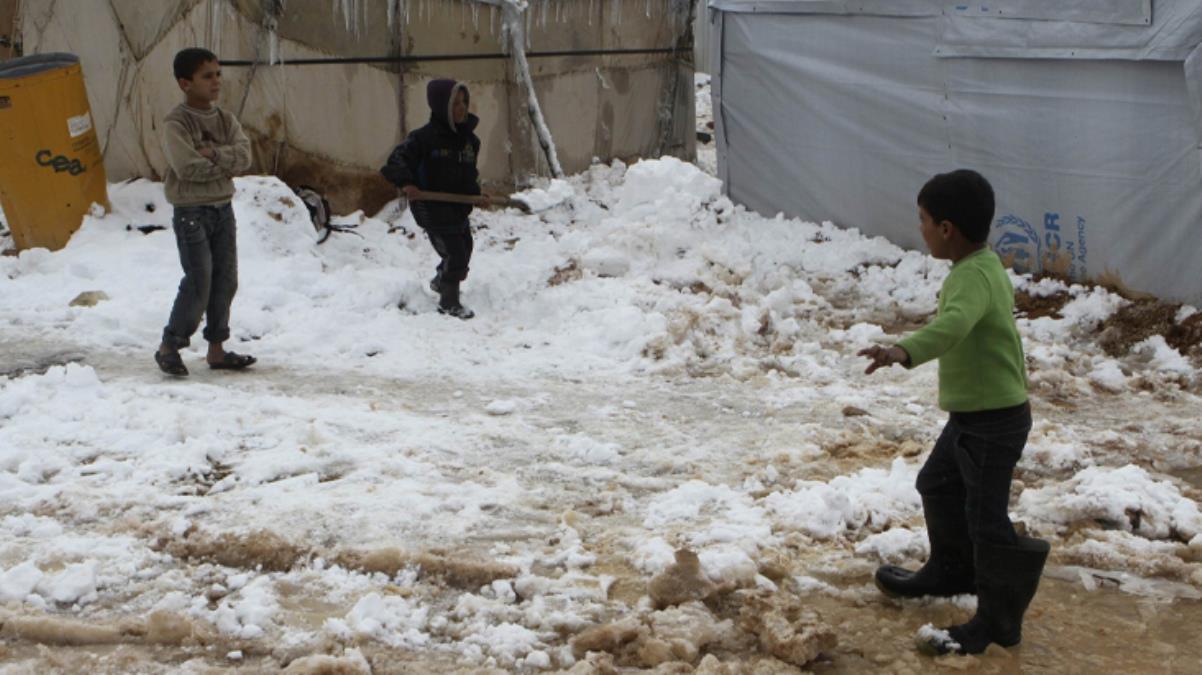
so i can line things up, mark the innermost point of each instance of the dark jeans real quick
(206, 237)
(973, 461)
(454, 247)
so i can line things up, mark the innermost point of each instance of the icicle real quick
(271, 24)
(214, 41)
(515, 36)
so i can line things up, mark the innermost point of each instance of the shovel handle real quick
(455, 198)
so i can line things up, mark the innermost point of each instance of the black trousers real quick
(454, 248)
(973, 463)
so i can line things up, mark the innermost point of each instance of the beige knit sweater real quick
(193, 180)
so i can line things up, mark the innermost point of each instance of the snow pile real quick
(671, 278)
(1053, 449)
(870, 499)
(1080, 316)
(721, 524)
(1161, 357)
(391, 619)
(250, 614)
(895, 546)
(589, 450)
(1126, 498)
(1088, 310)
(19, 582)
(1108, 376)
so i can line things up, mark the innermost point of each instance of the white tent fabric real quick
(1086, 115)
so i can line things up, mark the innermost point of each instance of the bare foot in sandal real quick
(219, 359)
(170, 362)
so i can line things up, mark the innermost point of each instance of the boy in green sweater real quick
(965, 483)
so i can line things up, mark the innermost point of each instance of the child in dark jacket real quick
(965, 483)
(441, 157)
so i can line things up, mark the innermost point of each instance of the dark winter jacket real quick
(440, 157)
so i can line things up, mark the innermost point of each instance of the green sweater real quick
(981, 364)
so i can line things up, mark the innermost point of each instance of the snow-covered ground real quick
(652, 368)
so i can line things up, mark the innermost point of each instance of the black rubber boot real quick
(1007, 578)
(948, 571)
(448, 301)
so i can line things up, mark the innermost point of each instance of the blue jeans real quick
(973, 463)
(206, 237)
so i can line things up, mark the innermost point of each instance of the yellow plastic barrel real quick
(51, 169)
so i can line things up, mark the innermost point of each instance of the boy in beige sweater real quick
(205, 148)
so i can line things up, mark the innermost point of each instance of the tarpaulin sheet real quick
(1096, 163)
(1135, 12)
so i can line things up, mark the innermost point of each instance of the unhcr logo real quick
(1018, 244)
(1057, 248)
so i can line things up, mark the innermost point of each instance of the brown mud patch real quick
(1035, 307)
(1141, 319)
(749, 627)
(159, 628)
(265, 550)
(682, 581)
(261, 549)
(1067, 629)
(455, 570)
(347, 188)
(854, 450)
(1156, 564)
(324, 664)
(565, 273)
(628, 586)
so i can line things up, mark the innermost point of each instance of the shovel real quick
(425, 196)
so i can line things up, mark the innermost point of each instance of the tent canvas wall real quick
(1086, 115)
(333, 124)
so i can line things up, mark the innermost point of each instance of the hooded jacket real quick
(440, 157)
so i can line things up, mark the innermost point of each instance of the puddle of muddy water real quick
(1067, 630)
(1192, 476)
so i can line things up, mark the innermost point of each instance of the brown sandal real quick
(171, 363)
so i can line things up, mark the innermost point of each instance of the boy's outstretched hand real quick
(884, 356)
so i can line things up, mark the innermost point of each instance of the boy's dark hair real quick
(962, 197)
(188, 61)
